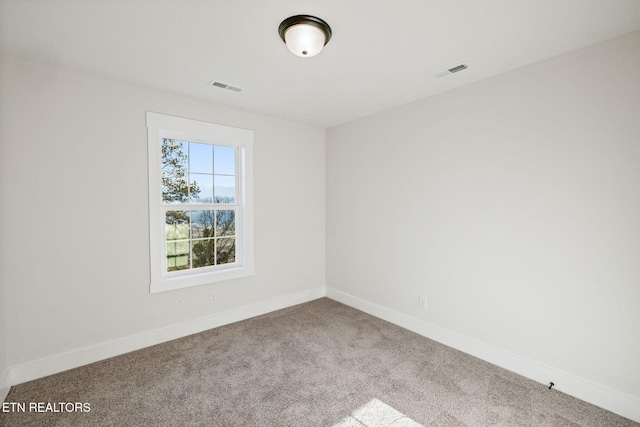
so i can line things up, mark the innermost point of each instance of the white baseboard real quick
(76, 358)
(619, 403)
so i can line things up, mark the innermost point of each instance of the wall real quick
(513, 205)
(4, 366)
(74, 219)
(4, 385)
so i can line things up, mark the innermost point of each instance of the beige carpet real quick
(316, 364)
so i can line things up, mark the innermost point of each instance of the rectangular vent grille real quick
(225, 86)
(451, 71)
(458, 68)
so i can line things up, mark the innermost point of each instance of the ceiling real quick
(382, 53)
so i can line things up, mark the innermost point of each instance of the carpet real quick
(315, 364)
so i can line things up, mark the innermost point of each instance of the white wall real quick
(74, 219)
(4, 385)
(4, 366)
(512, 204)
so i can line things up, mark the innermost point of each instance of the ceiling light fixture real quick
(305, 35)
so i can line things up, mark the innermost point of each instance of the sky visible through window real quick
(211, 167)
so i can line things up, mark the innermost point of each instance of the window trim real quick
(164, 126)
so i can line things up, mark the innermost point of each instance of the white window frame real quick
(164, 126)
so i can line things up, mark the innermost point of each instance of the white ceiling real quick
(383, 53)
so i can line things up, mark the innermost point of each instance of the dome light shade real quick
(305, 35)
(304, 40)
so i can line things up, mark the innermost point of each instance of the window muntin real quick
(200, 202)
(200, 238)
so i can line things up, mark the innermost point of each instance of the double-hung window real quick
(199, 202)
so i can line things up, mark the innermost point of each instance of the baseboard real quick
(619, 403)
(73, 359)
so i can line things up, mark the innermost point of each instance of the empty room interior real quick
(438, 185)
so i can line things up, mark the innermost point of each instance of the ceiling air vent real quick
(225, 86)
(451, 70)
(458, 68)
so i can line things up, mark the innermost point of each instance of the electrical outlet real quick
(422, 302)
(213, 297)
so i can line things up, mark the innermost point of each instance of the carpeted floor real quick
(316, 364)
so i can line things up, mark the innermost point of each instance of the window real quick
(199, 202)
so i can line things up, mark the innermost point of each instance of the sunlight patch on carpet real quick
(377, 414)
